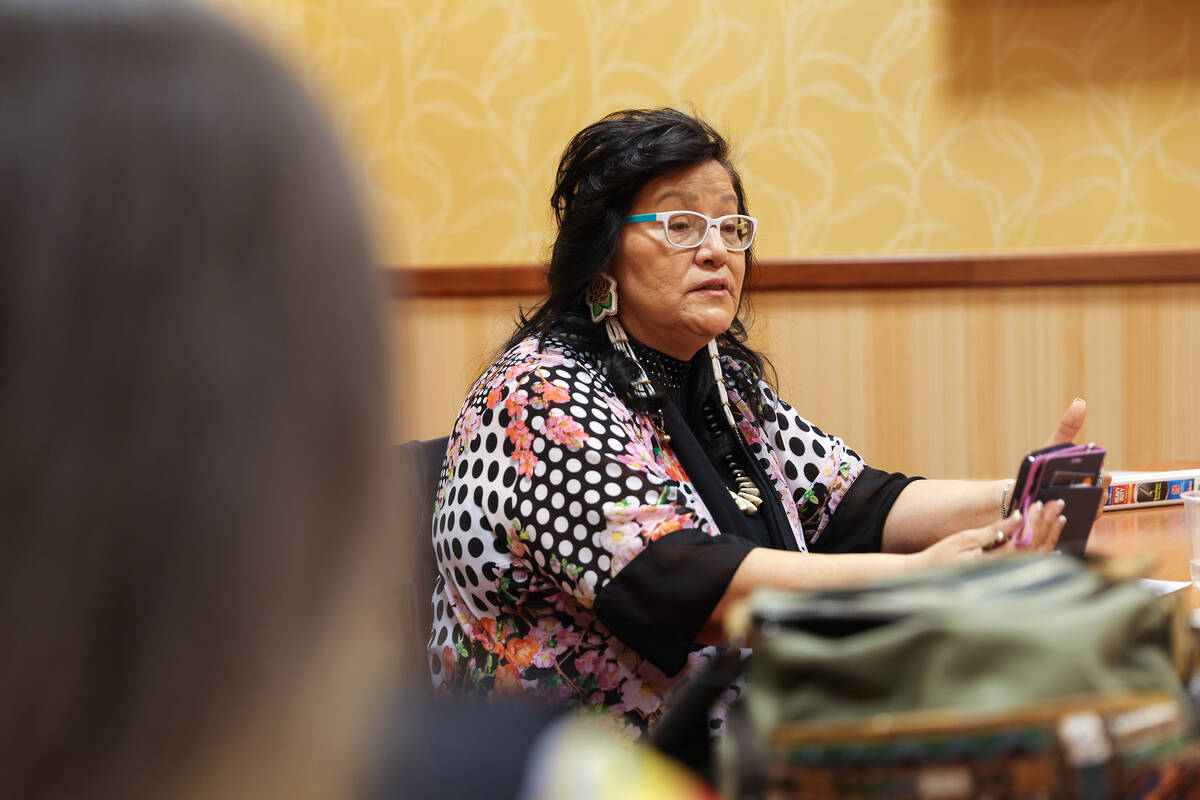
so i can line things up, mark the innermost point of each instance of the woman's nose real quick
(712, 246)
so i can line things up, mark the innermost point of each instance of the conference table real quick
(1156, 534)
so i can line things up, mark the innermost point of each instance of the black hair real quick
(193, 400)
(599, 177)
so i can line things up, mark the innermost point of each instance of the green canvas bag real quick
(1030, 676)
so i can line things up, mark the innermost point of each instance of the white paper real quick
(1163, 587)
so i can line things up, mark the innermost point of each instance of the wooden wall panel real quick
(953, 382)
(440, 346)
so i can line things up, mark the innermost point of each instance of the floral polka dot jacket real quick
(550, 489)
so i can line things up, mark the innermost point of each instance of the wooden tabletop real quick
(1158, 532)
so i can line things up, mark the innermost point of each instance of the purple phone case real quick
(1081, 501)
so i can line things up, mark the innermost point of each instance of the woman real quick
(623, 474)
(194, 414)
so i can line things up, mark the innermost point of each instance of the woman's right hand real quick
(1046, 522)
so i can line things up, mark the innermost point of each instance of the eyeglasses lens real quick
(688, 230)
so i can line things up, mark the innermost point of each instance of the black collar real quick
(668, 373)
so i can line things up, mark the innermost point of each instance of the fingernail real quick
(1061, 503)
(1062, 520)
(1080, 400)
(1037, 507)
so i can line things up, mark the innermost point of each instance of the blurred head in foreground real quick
(192, 410)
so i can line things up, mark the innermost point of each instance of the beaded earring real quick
(747, 497)
(602, 297)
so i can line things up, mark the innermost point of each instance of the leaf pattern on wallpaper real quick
(860, 125)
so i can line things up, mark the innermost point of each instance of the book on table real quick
(1138, 489)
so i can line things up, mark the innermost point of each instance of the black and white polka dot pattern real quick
(550, 487)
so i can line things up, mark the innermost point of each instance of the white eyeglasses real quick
(688, 228)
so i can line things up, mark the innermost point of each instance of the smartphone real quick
(1070, 473)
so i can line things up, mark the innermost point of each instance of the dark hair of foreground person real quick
(193, 409)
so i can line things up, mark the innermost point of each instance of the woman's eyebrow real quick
(681, 193)
(692, 196)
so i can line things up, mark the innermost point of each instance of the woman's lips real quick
(716, 287)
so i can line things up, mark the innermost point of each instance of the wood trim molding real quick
(853, 272)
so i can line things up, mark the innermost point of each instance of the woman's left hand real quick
(1045, 523)
(1068, 428)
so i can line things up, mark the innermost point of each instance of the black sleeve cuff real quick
(857, 524)
(661, 599)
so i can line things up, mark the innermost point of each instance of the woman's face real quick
(676, 299)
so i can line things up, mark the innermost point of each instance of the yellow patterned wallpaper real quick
(863, 126)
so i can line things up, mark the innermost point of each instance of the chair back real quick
(419, 466)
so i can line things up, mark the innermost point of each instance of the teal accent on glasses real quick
(641, 218)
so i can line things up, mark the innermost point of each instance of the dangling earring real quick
(747, 497)
(642, 386)
(602, 297)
